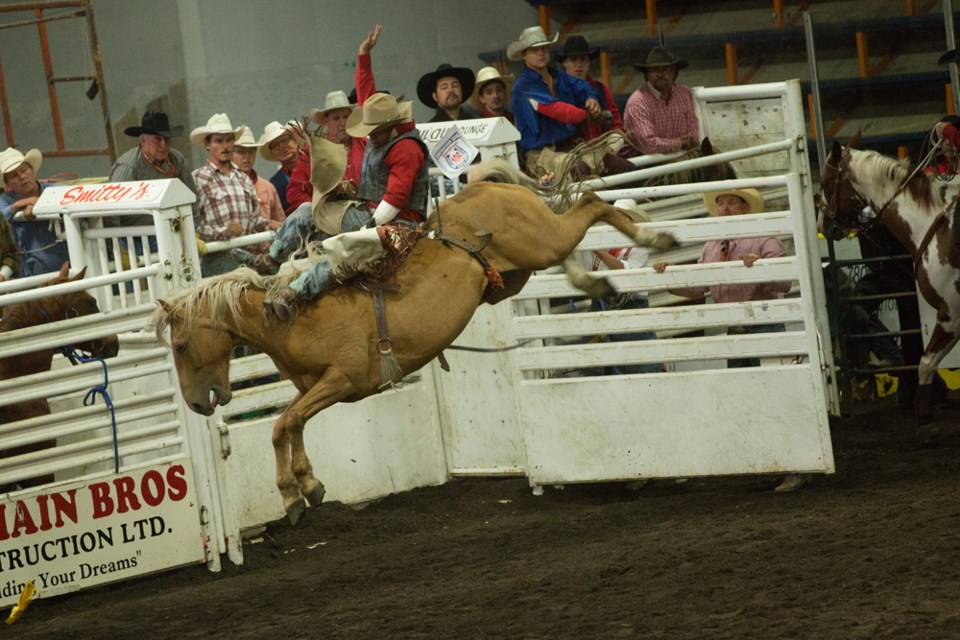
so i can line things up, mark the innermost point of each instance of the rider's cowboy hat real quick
(484, 77)
(218, 123)
(246, 139)
(427, 84)
(270, 133)
(334, 100)
(11, 159)
(156, 123)
(576, 46)
(751, 196)
(380, 109)
(529, 37)
(660, 57)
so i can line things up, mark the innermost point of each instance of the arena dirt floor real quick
(870, 552)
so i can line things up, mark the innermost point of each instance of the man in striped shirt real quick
(227, 199)
(660, 116)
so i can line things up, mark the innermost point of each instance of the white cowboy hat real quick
(334, 100)
(218, 123)
(379, 110)
(246, 139)
(485, 75)
(11, 158)
(530, 37)
(634, 211)
(751, 196)
(270, 133)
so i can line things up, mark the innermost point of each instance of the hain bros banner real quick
(95, 532)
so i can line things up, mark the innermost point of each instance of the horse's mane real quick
(220, 295)
(888, 169)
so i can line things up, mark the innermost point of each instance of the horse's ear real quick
(836, 152)
(854, 142)
(166, 306)
(706, 147)
(79, 276)
(64, 269)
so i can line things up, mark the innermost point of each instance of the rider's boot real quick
(304, 288)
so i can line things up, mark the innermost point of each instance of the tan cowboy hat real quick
(484, 76)
(379, 110)
(246, 139)
(633, 209)
(270, 133)
(660, 57)
(751, 196)
(530, 37)
(11, 158)
(334, 100)
(218, 123)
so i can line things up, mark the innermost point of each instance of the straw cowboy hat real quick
(270, 133)
(156, 123)
(246, 139)
(576, 46)
(427, 84)
(380, 109)
(334, 100)
(633, 209)
(529, 37)
(660, 57)
(11, 159)
(485, 76)
(218, 123)
(751, 196)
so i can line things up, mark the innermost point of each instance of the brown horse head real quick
(74, 305)
(839, 203)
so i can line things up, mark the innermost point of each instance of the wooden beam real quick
(545, 19)
(862, 54)
(903, 152)
(777, 13)
(605, 68)
(908, 9)
(731, 50)
(949, 108)
(51, 86)
(651, 18)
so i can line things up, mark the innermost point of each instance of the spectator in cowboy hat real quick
(42, 249)
(229, 207)
(575, 56)
(244, 156)
(548, 104)
(334, 115)
(660, 116)
(491, 94)
(444, 90)
(280, 144)
(152, 159)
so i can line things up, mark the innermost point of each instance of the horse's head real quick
(201, 352)
(74, 305)
(840, 204)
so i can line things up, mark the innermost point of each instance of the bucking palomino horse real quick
(29, 314)
(329, 350)
(863, 188)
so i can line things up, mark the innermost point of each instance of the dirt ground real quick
(870, 552)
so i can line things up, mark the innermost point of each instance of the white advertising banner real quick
(94, 532)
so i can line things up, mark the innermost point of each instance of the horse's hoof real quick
(296, 510)
(315, 497)
(600, 288)
(664, 241)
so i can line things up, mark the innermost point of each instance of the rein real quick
(493, 276)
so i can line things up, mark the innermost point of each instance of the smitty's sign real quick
(97, 532)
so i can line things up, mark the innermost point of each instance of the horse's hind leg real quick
(295, 478)
(940, 344)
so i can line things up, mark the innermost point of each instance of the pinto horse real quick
(918, 212)
(330, 349)
(29, 314)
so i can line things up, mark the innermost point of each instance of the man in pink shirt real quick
(660, 116)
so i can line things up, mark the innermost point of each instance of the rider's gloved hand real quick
(385, 212)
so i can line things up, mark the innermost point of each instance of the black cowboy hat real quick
(576, 46)
(948, 57)
(427, 85)
(660, 57)
(154, 122)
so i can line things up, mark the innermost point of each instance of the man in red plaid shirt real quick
(227, 200)
(660, 116)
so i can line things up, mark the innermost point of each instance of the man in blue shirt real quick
(548, 105)
(41, 251)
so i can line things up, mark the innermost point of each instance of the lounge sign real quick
(92, 533)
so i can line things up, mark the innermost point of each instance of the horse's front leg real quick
(296, 478)
(595, 287)
(940, 344)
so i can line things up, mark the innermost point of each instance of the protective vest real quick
(375, 172)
